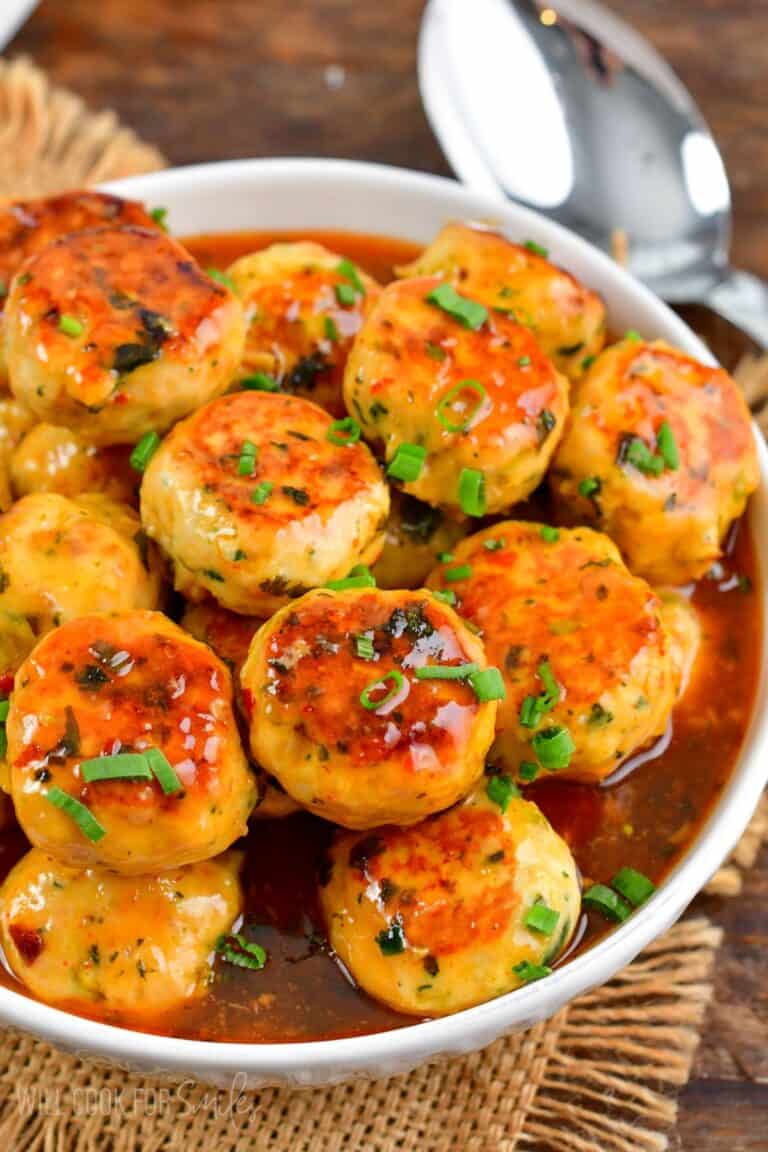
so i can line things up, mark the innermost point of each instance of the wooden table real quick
(209, 80)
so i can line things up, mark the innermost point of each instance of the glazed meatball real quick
(586, 659)
(303, 307)
(659, 453)
(343, 713)
(60, 558)
(230, 636)
(567, 319)
(54, 459)
(255, 501)
(116, 946)
(105, 686)
(416, 534)
(114, 332)
(456, 405)
(459, 909)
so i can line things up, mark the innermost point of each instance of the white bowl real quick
(329, 194)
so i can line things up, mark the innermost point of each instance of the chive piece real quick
(553, 747)
(3, 742)
(667, 446)
(160, 217)
(261, 492)
(528, 972)
(537, 249)
(605, 900)
(246, 465)
(551, 694)
(590, 486)
(121, 766)
(488, 684)
(445, 557)
(460, 572)
(235, 949)
(348, 271)
(500, 790)
(397, 679)
(472, 492)
(5, 705)
(494, 545)
(523, 361)
(163, 772)
(70, 325)
(633, 886)
(144, 451)
(549, 534)
(633, 336)
(346, 295)
(528, 770)
(445, 408)
(82, 816)
(532, 711)
(467, 312)
(391, 940)
(330, 329)
(587, 362)
(541, 918)
(447, 595)
(358, 577)
(221, 278)
(343, 432)
(445, 671)
(634, 451)
(364, 647)
(260, 382)
(407, 462)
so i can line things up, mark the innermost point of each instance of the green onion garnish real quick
(590, 486)
(235, 949)
(261, 492)
(144, 451)
(364, 647)
(445, 557)
(472, 492)
(667, 446)
(460, 572)
(82, 816)
(494, 545)
(550, 535)
(246, 465)
(605, 900)
(445, 671)
(358, 577)
(5, 705)
(348, 271)
(537, 249)
(448, 405)
(159, 215)
(397, 679)
(163, 772)
(407, 462)
(330, 329)
(467, 312)
(500, 790)
(541, 918)
(587, 362)
(528, 770)
(633, 886)
(260, 382)
(70, 325)
(343, 432)
(488, 684)
(534, 708)
(633, 336)
(391, 940)
(553, 747)
(346, 295)
(447, 595)
(528, 972)
(636, 452)
(221, 278)
(121, 766)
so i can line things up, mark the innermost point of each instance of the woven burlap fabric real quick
(600, 1076)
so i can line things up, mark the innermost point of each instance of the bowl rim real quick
(718, 835)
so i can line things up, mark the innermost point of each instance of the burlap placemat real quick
(601, 1075)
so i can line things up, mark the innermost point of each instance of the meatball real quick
(54, 459)
(116, 946)
(111, 686)
(586, 659)
(467, 411)
(416, 535)
(303, 307)
(114, 332)
(255, 501)
(459, 909)
(230, 636)
(660, 454)
(567, 319)
(60, 558)
(358, 706)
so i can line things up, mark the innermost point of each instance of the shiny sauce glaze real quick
(646, 816)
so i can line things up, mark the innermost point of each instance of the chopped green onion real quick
(3, 742)
(121, 766)
(633, 886)
(636, 452)
(407, 462)
(391, 940)
(82, 816)
(70, 325)
(528, 972)
(343, 432)
(541, 918)
(397, 679)
(221, 278)
(358, 577)
(447, 595)
(587, 362)
(445, 557)
(590, 486)
(159, 215)
(364, 647)
(500, 790)
(467, 312)
(550, 535)
(488, 684)
(472, 492)
(246, 465)
(551, 693)
(163, 771)
(528, 771)
(633, 336)
(532, 711)
(235, 949)
(537, 249)
(144, 451)
(605, 900)
(553, 747)
(445, 408)
(445, 671)
(534, 708)
(346, 295)
(5, 705)
(494, 545)
(667, 446)
(523, 361)
(349, 272)
(260, 382)
(261, 492)
(330, 329)
(460, 572)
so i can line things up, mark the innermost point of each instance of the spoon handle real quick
(742, 299)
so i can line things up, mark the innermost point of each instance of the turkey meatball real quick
(123, 746)
(256, 499)
(54, 459)
(112, 332)
(416, 534)
(465, 406)
(454, 911)
(362, 704)
(587, 661)
(660, 454)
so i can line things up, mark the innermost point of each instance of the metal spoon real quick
(565, 108)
